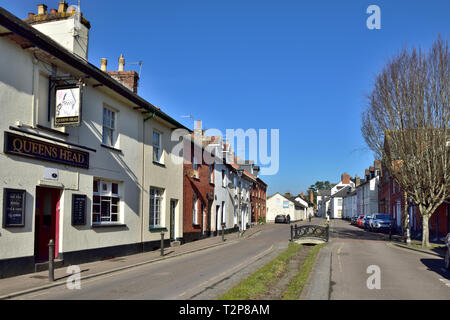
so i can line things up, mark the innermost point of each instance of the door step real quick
(42, 266)
(175, 243)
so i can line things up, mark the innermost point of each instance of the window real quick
(195, 210)
(340, 202)
(156, 199)
(109, 127)
(224, 179)
(194, 163)
(211, 173)
(106, 202)
(156, 146)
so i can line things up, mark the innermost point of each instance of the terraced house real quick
(85, 160)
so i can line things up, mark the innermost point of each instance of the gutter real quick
(40, 40)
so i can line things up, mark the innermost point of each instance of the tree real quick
(319, 185)
(406, 124)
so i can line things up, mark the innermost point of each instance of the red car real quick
(360, 220)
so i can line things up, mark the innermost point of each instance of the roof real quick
(40, 40)
(341, 193)
(295, 201)
(324, 192)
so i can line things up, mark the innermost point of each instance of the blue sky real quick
(303, 67)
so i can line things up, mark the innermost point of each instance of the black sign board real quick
(14, 208)
(28, 147)
(78, 209)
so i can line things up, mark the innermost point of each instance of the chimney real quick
(357, 181)
(121, 63)
(129, 79)
(103, 64)
(62, 7)
(30, 15)
(345, 178)
(311, 196)
(301, 195)
(377, 164)
(287, 194)
(63, 27)
(42, 9)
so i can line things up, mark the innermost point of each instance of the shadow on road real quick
(355, 233)
(436, 265)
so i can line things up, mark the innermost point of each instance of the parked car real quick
(447, 252)
(381, 222)
(360, 220)
(353, 220)
(366, 222)
(282, 218)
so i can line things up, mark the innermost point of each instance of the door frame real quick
(55, 220)
(173, 218)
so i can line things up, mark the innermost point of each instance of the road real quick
(404, 274)
(201, 275)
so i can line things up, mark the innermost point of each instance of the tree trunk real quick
(406, 222)
(425, 231)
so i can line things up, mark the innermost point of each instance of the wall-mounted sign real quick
(78, 209)
(68, 106)
(14, 208)
(285, 204)
(28, 147)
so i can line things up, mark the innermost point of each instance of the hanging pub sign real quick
(14, 208)
(78, 209)
(33, 148)
(68, 106)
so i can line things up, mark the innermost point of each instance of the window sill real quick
(196, 178)
(108, 225)
(111, 148)
(155, 229)
(212, 184)
(159, 164)
(52, 130)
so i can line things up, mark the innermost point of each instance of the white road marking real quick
(446, 282)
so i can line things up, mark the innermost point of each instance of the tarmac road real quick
(404, 274)
(201, 275)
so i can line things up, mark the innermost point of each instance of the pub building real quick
(84, 160)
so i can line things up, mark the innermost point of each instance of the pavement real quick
(29, 283)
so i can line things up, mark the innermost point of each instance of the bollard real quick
(223, 231)
(292, 233)
(51, 257)
(162, 243)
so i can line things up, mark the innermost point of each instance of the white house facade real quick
(85, 161)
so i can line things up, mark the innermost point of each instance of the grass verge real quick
(258, 283)
(297, 284)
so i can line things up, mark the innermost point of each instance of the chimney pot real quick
(103, 64)
(30, 15)
(62, 7)
(121, 63)
(199, 124)
(42, 9)
(53, 11)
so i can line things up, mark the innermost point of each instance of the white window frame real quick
(108, 200)
(195, 210)
(211, 173)
(110, 125)
(157, 148)
(224, 178)
(156, 208)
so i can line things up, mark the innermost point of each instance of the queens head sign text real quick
(27, 147)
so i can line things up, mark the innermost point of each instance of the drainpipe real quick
(143, 178)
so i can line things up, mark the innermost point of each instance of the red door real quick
(47, 212)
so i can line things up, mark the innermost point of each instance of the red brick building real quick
(391, 201)
(258, 200)
(198, 194)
